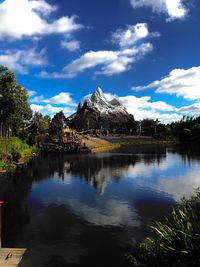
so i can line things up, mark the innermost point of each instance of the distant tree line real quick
(17, 119)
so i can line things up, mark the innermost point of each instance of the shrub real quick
(176, 241)
(196, 133)
(185, 135)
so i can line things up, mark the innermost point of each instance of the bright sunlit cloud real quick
(181, 82)
(111, 62)
(24, 18)
(174, 9)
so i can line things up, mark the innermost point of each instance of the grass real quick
(174, 242)
(13, 151)
(105, 147)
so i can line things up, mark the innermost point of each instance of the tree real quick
(57, 124)
(42, 123)
(149, 126)
(185, 135)
(196, 133)
(14, 107)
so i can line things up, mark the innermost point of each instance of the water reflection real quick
(74, 209)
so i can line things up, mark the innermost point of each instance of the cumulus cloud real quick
(25, 18)
(19, 60)
(61, 98)
(181, 82)
(144, 107)
(174, 9)
(110, 62)
(51, 110)
(37, 108)
(133, 33)
(62, 101)
(70, 45)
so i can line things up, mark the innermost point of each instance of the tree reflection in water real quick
(52, 209)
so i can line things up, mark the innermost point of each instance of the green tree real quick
(57, 124)
(42, 123)
(14, 107)
(196, 132)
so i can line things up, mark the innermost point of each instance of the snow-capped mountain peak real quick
(98, 97)
(97, 102)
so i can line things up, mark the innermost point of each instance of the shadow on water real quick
(77, 210)
(188, 152)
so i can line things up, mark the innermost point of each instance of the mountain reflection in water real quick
(87, 209)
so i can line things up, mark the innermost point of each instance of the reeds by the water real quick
(176, 241)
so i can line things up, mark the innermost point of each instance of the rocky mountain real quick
(97, 112)
(98, 103)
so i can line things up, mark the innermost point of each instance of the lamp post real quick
(1, 204)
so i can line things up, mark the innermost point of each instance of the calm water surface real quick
(75, 210)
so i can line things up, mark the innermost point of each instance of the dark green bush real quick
(185, 135)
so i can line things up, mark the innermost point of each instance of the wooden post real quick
(1, 204)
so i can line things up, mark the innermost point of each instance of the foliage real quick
(57, 124)
(42, 123)
(196, 132)
(185, 135)
(15, 109)
(190, 123)
(13, 150)
(176, 241)
(14, 145)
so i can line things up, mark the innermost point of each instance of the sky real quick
(146, 53)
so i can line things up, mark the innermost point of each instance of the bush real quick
(185, 135)
(15, 155)
(196, 133)
(176, 241)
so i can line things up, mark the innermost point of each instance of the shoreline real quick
(104, 143)
(96, 144)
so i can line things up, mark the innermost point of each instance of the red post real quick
(1, 204)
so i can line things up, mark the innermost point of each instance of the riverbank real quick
(175, 240)
(13, 153)
(103, 143)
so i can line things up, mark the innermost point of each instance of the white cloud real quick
(70, 45)
(110, 62)
(37, 108)
(133, 33)
(113, 61)
(51, 110)
(62, 101)
(142, 107)
(31, 93)
(19, 60)
(173, 8)
(24, 18)
(37, 99)
(183, 83)
(189, 110)
(61, 98)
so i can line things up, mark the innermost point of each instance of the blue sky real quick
(146, 53)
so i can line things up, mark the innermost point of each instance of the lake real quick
(77, 210)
